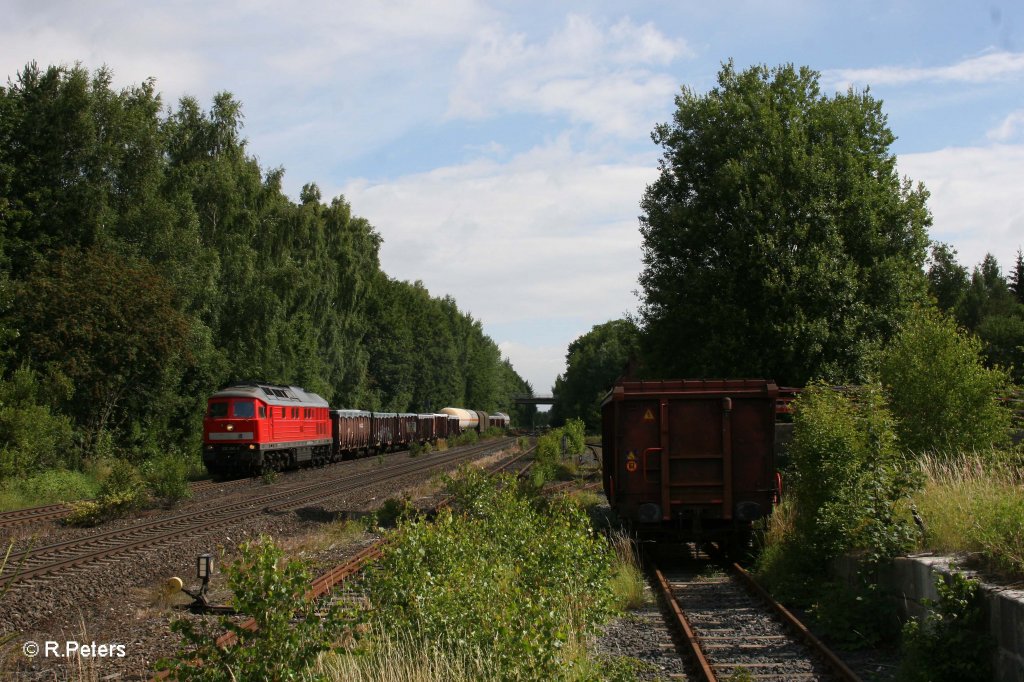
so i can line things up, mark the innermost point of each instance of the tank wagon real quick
(691, 459)
(251, 427)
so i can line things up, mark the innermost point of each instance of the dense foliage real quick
(985, 303)
(146, 259)
(778, 236)
(942, 396)
(848, 476)
(592, 364)
(557, 448)
(510, 576)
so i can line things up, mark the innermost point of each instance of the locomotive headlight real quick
(252, 446)
(230, 427)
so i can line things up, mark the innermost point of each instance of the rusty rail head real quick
(684, 626)
(834, 662)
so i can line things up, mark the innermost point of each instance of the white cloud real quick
(1011, 127)
(986, 68)
(597, 76)
(537, 364)
(129, 44)
(549, 235)
(975, 198)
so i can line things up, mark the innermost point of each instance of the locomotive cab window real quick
(244, 409)
(218, 410)
(263, 412)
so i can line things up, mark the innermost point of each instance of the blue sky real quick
(501, 148)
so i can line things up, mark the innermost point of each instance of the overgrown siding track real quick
(729, 632)
(323, 584)
(50, 559)
(49, 512)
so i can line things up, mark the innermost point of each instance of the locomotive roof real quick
(272, 394)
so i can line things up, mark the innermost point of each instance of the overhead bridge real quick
(534, 400)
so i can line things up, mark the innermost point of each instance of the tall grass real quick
(974, 503)
(627, 580)
(397, 657)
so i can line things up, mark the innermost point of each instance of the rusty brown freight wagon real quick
(693, 459)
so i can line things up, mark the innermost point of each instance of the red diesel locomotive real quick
(261, 426)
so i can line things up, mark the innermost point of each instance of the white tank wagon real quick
(467, 418)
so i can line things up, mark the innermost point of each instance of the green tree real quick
(148, 258)
(940, 392)
(32, 437)
(592, 364)
(110, 325)
(988, 294)
(778, 235)
(947, 279)
(1016, 278)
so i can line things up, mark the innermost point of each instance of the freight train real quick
(253, 427)
(691, 460)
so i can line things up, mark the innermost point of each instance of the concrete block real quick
(911, 580)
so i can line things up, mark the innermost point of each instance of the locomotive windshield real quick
(244, 409)
(218, 410)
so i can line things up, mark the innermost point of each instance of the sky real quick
(501, 149)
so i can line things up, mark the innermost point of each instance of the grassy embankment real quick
(973, 505)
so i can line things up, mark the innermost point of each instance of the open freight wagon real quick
(692, 459)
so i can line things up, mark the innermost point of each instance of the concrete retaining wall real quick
(910, 580)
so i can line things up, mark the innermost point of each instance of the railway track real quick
(49, 512)
(733, 629)
(50, 559)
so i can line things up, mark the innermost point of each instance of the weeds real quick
(951, 642)
(511, 576)
(48, 487)
(292, 630)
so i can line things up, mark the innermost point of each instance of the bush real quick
(941, 394)
(167, 477)
(466, 438)
(32, 437)
(292, 630)
(576, 437)
(547, 456)
(512, 577)
(393, 510)
(847, 478)
(854, 616)
(120, 493)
